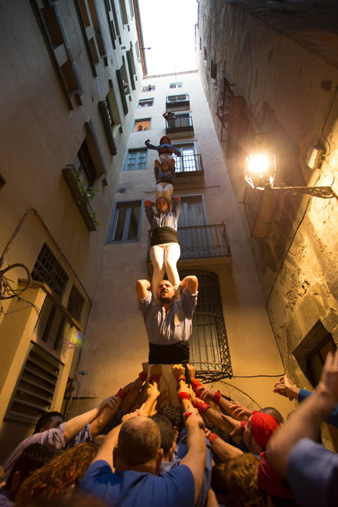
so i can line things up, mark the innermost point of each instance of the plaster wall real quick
(40, 135)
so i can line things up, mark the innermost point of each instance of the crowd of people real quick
(137, 449)
(166, 439)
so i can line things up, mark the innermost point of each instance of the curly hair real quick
(65, 471)
(236, 481)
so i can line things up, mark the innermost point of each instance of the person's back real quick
(135, 481)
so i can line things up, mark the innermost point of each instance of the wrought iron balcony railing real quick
(179, 123)
(188, 164)
(201, 242)
(177, 101)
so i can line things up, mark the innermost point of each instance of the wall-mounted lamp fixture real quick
(260, 172)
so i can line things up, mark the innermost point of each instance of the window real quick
(311, 355)
(213, 72)
(145, 103)
(182, 122)
(55, 38)
(75, 303)
(131, 66)
(111, 118)
(175, 85)
(148, 88)
(188, 161)
(110, 20)
(48, 270)
(142, 124)
(178, 101)
(209, 350)
(126, 222)
(84, 166)
(312, 351)
(123, 9)
(53, 324)
(136, 159)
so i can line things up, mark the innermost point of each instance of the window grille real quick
(209, 350)
(177, 98)
(48, 270)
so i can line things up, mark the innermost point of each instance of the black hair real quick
(174, 415)
(32, 457)
(166, 431)
(45, 420)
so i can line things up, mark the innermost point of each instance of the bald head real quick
(139, 441)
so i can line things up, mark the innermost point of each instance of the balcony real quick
(202, 247)
(178, 102)
(180, 124)
(79, 194)
(188, 170)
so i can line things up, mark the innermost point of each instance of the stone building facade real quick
(272, 68)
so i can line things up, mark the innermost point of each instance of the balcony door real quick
(188, 160)
(193, 234)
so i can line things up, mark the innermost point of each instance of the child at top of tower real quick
(165, 149)
(165, 169)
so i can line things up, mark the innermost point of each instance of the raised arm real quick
(305, 421)
(236, 410)
(150, 146)
(149, 211)
(196, 455)
(105, 416)
(190, 282)
(223, 450)
(142, 289)
(74, 425)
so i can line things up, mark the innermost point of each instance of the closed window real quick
(136, 159)
(126, 222)
(175, 85)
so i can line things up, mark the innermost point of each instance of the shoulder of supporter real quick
(146, 301)
(312, 473)
(54, 437)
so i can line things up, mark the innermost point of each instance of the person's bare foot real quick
(156, 370)
(178, 369)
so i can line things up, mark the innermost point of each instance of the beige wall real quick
(39, 136)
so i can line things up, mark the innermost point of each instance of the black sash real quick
(177, 353)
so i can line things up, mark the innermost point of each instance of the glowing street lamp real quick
(260, 169)
(260, 172)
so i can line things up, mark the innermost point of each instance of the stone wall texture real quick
(281, 59)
